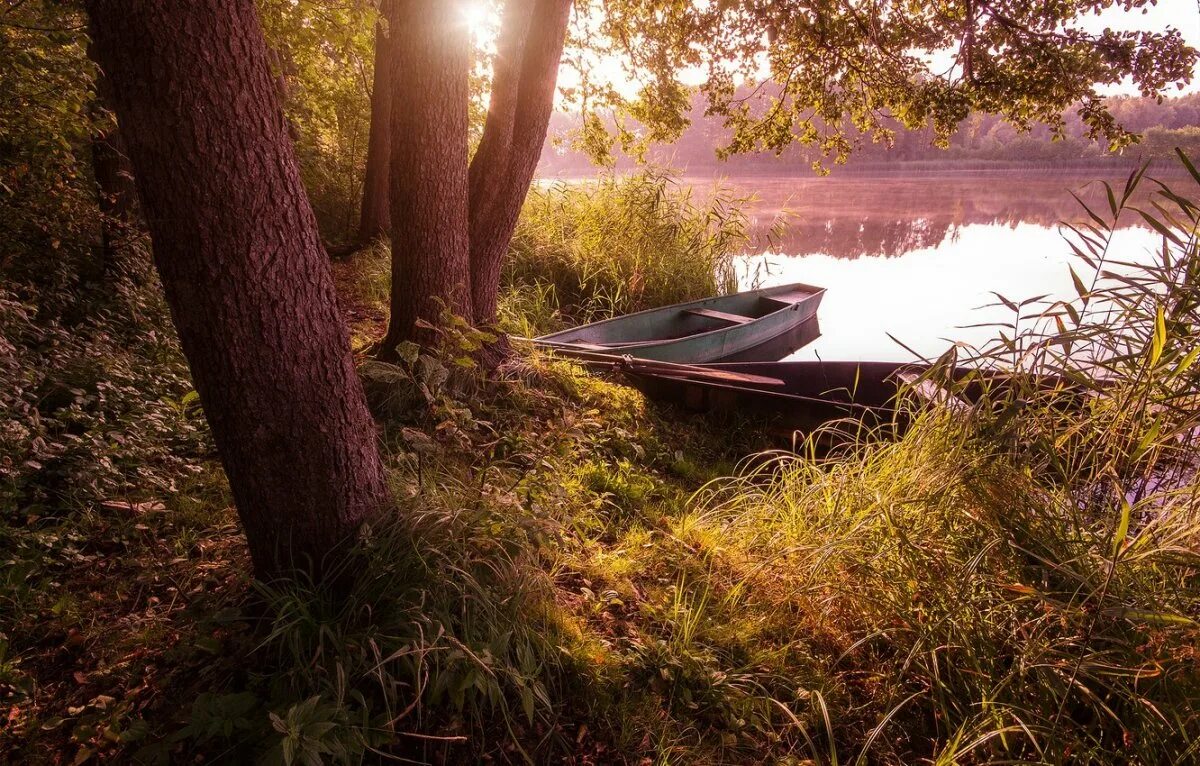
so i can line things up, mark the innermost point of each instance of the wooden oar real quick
(632, 364)
(692, 372)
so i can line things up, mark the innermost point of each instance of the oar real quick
(693, 372)
(627, 362)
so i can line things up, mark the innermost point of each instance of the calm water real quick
(917, 258)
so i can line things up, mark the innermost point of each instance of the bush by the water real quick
(594, 249)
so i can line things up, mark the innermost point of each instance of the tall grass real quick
(590, 250)
(1018, 585)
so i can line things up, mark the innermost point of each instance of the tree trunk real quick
(523, 83)
(374, 216)
(430, 246)
(251, 294)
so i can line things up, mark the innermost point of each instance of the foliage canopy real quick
(817, 71)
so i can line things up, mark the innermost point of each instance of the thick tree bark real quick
(430, 246)
(236, 244)
(524, 79)
(374, 217)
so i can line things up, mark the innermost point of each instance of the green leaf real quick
(1160, 227)
(1159, 341)
(1145, 615)
(1122, 525)
(1148, 438)
(1188, 164)
(1186, 363)
(1080, 288)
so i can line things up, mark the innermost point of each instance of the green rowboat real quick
(700, 331)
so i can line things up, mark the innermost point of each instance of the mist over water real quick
(917, 257)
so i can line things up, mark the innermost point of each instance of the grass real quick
(592, 250)
(579, 576)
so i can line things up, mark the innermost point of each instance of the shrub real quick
(95, 407)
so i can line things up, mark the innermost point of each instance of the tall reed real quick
(593, 249)
(1017, 585)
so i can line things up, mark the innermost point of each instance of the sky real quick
(1183, 15)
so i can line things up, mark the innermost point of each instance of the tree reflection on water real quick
(891, 215)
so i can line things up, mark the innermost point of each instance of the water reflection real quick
(781, 346)
(915, 259)
(888, 216)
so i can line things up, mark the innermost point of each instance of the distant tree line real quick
(1162, 125)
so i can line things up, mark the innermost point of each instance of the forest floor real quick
(125, 617)
(572, 577)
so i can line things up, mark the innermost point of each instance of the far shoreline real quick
(920, 168)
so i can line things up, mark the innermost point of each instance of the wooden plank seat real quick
(588, 346)
(723, 316)
(789, 297)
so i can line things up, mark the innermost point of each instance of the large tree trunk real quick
(430, 246)
(374, 216)
(236, 244)
(524, 78)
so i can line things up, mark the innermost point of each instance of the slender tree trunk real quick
(374, 217)
(524, 78)
(236, 244)
(430, 246)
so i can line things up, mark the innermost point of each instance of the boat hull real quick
(815, 393)
(812, 393)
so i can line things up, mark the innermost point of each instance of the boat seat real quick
(790, 297)
(723, 316)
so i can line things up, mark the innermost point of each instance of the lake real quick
(918, 256)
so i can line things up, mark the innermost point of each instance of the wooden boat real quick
(701, 331)
(811, 393)
(803, 395)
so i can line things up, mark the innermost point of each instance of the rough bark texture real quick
(236, 244)
(430, 246)
(374, 217)
(524, 78)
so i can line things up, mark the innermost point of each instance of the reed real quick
(1018, 585)
(590, 250)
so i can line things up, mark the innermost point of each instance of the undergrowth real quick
(575, 575)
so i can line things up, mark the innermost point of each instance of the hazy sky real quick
(1183, 15)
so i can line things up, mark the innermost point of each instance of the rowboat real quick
(808, 394)
(804, 395)
(700, 331)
